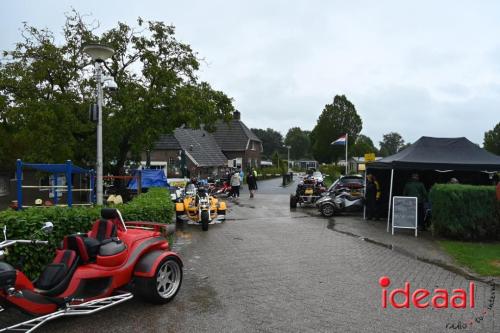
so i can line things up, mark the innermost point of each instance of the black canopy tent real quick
(439, 154)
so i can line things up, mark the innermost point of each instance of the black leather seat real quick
(56, 276)
(7, 275)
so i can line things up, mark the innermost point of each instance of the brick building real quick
(208, 154)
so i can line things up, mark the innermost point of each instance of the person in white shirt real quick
(235, 185)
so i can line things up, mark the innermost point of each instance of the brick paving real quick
(269, 269)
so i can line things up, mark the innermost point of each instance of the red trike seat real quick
(101, 240)
(103, 229)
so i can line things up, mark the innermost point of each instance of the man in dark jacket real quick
(415, 188)
(372, 196)
(252, 183)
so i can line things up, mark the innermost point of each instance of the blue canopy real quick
(55, 168)
(150, 178)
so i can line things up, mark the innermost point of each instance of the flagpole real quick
(346, 142)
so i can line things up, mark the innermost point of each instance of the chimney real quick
(236, 115)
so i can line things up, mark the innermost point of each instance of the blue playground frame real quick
(68, 169)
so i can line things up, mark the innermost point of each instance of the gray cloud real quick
(419, 68)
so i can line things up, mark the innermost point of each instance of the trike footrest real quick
(71, 310)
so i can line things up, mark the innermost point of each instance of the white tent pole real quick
(390, 197)
(346, 144)
(364, 206)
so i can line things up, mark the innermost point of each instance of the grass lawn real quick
(483, 258)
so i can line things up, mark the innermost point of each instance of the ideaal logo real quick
(439, 298)
(423, 298)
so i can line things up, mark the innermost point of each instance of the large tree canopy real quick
(337, 118)
(272, 141)
(299, 142)
(492, 140)
(391, 144)
(363, 145)
(47, 87)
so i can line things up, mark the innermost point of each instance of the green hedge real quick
(155, 205)
(331, 170)
(465, 212)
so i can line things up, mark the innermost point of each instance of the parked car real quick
(318, 176)
(355, 184)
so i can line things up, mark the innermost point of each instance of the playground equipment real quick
(68, 169)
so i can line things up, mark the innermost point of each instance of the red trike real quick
(92, 271)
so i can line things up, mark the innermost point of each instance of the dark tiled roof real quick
(201, 147)
(233, 135)
(167, 142)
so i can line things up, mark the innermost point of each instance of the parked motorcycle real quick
(92, 271)
(339, 200)
(222, 188)
(198, 207)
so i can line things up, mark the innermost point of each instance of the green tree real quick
(45, 91)
(337, 118)
(403, 147)
(299, 142)
(492, 140)
(391, 144)
(272, 141)
(362, 146)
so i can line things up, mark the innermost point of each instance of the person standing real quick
(242, 175)
(235, 185)
(255, 176)
(372, 196)
(252, 183)
(415, 188)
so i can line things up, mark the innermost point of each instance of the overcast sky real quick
(415, 67)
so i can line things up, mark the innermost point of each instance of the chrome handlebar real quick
(8, 243)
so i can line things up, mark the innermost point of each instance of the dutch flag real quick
(340, 141)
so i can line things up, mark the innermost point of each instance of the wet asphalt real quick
(272, 269)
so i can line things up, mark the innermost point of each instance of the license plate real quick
(309, 191)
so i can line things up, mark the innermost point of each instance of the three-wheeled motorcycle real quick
(339, 200)
(199, 207)
(92, 271)
(308, 191)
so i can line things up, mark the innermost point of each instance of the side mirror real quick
(48, 227)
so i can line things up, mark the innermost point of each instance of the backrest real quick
(76, 243)
(66, 257)
(114, 216)
(103, 229)
(55, 276)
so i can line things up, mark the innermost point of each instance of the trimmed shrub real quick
(268, 172)
(155, 205)
(465, 212)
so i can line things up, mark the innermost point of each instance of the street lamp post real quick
(99, 53)
(288, 159)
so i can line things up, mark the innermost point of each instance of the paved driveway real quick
(269, 269)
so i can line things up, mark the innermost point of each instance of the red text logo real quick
(423, 298)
